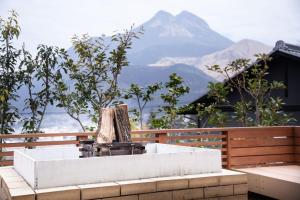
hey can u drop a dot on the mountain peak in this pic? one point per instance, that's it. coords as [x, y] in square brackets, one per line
[186, 14]
[249, 41]
[251, 46]
[166, 35]
[163, 14]
[190, 18]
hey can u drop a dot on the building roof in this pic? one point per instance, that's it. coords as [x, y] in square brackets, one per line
[286, 48]
[281, 48]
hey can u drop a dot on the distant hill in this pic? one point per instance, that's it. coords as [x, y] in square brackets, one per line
[144, 75]
[182, 35]
[243, 49]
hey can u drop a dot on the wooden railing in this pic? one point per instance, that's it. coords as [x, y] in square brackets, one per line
[19, 141]
[240, 147]
[297, 144]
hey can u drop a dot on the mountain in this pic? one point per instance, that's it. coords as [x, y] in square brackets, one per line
[166, 35]
[145, 75]
[243, 49]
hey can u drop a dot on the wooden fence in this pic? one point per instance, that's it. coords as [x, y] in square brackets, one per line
[240, 147]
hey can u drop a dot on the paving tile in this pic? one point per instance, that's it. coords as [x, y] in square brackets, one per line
[218, 191]
[156, 196]
[137, 186]
[196, 193]
[101, 190]
[58, 193]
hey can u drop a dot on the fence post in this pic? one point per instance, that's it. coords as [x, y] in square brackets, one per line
[228, 148]
[81, 138]
[162, 138]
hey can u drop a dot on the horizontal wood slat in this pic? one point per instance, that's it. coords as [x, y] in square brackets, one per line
[35, 135]
[267, 141]
[211, 136]
[262, 151]
[142, 139]
[198, 144]
[6, 163]
[7, 153]
[34, 144]
[189, 130]
[267, 159]
[200, 130]
[263, 132]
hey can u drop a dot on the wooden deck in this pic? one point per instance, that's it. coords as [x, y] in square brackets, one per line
[279, 182]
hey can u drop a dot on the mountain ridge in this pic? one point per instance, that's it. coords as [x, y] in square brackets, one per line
[245, 48]
[184, 34]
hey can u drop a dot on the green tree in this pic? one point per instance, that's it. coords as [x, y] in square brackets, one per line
[142, 96]
[9, 76]
[273, 115]
[74, 104]
[254, 90]
[211, 114]
[175, 89]
[40, 75]
[95, 73]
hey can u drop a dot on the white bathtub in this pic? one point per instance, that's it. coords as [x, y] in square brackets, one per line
[54, 167]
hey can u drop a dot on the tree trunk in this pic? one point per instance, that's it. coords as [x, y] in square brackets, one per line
[122, 123]
[106, 133]
[114, 125]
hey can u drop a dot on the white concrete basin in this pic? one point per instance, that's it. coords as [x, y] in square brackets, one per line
[55, 167]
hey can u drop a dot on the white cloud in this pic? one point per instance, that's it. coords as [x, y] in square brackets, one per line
[54, 22]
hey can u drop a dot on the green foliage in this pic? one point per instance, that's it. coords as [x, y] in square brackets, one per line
[95, 74]
[243, 111]
[42, 70]
[142, 96]
[9, 77]
[168, 113]
[211, 114]
[272, 114]
[255, 106]
[218, 92]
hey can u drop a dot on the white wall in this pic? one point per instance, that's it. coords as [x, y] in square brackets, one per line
[160, 161]
[25, 166]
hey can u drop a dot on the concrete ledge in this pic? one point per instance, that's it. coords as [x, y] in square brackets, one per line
[226, 185]
[13, 186]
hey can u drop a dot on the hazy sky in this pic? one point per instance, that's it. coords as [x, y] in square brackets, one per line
[54, 22]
